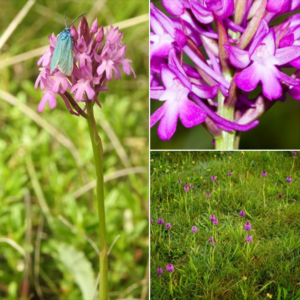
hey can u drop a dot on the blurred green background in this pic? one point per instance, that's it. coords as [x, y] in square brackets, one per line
[48, 220]
[279, 127]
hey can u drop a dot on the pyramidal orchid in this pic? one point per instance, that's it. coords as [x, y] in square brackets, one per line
[97, 59]
[207, 56]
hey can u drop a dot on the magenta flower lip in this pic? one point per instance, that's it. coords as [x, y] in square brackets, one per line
[242, 213]
[160, 221]
[229, 174]
[151, 220]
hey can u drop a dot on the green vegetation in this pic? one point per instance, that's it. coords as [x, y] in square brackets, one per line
[267, 267]
[48, 211]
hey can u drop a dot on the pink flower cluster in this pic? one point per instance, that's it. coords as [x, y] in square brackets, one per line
[97, 59]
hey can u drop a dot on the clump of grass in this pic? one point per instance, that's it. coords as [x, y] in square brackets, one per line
[227, 259]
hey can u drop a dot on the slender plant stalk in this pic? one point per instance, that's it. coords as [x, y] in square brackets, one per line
[98, 159]
[227, 140]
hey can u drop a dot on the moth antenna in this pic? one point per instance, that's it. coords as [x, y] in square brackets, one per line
[65, 19]
[77, 18]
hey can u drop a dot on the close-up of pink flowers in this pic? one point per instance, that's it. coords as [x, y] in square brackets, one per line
[221, 64]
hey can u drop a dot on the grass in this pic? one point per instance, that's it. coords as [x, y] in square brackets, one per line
[231, 268]
[48, 215]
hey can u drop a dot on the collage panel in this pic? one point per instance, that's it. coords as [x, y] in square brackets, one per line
[74, 206]
[224, 74]
[225, 225]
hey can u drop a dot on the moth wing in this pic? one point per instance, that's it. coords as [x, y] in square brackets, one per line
[65, 63]
[56, 54]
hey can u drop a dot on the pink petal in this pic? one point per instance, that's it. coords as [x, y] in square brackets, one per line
[190, 114]
[204, 91]
[276, 5]
[168, 122]
[156, 116]
[248, 79]
[238, 58]
[167, 76]
[271, 86]
[175, 8]
[156, 92]
[285, 55]
[287, 79]
[295, 92]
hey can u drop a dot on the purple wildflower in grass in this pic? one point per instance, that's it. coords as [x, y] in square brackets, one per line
[151, 220]
[160, 221]
[213, 178]
[289, 179]
[211, 239]
[186, 188]
[96, 61]
[168, 225]
[179, 181]
[248, 226]
[242, 213]
[207, 195]
[229, 174]
[159, 271]
[294, 153]
[264, 174]
[194, 229]
[191, 186]
[249, 239]
[214, 244]
[280, 196]
[215, 221]
[212, 217]
[170, 268]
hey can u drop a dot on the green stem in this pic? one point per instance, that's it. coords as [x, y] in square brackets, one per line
[98, 160]
[227, 140]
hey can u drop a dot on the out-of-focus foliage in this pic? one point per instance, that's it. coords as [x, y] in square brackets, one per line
[48, 228]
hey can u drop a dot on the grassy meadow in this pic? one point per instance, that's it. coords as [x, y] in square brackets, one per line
[48, 212]
[200, 204]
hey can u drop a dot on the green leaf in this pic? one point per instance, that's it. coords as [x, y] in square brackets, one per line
[79, 267]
